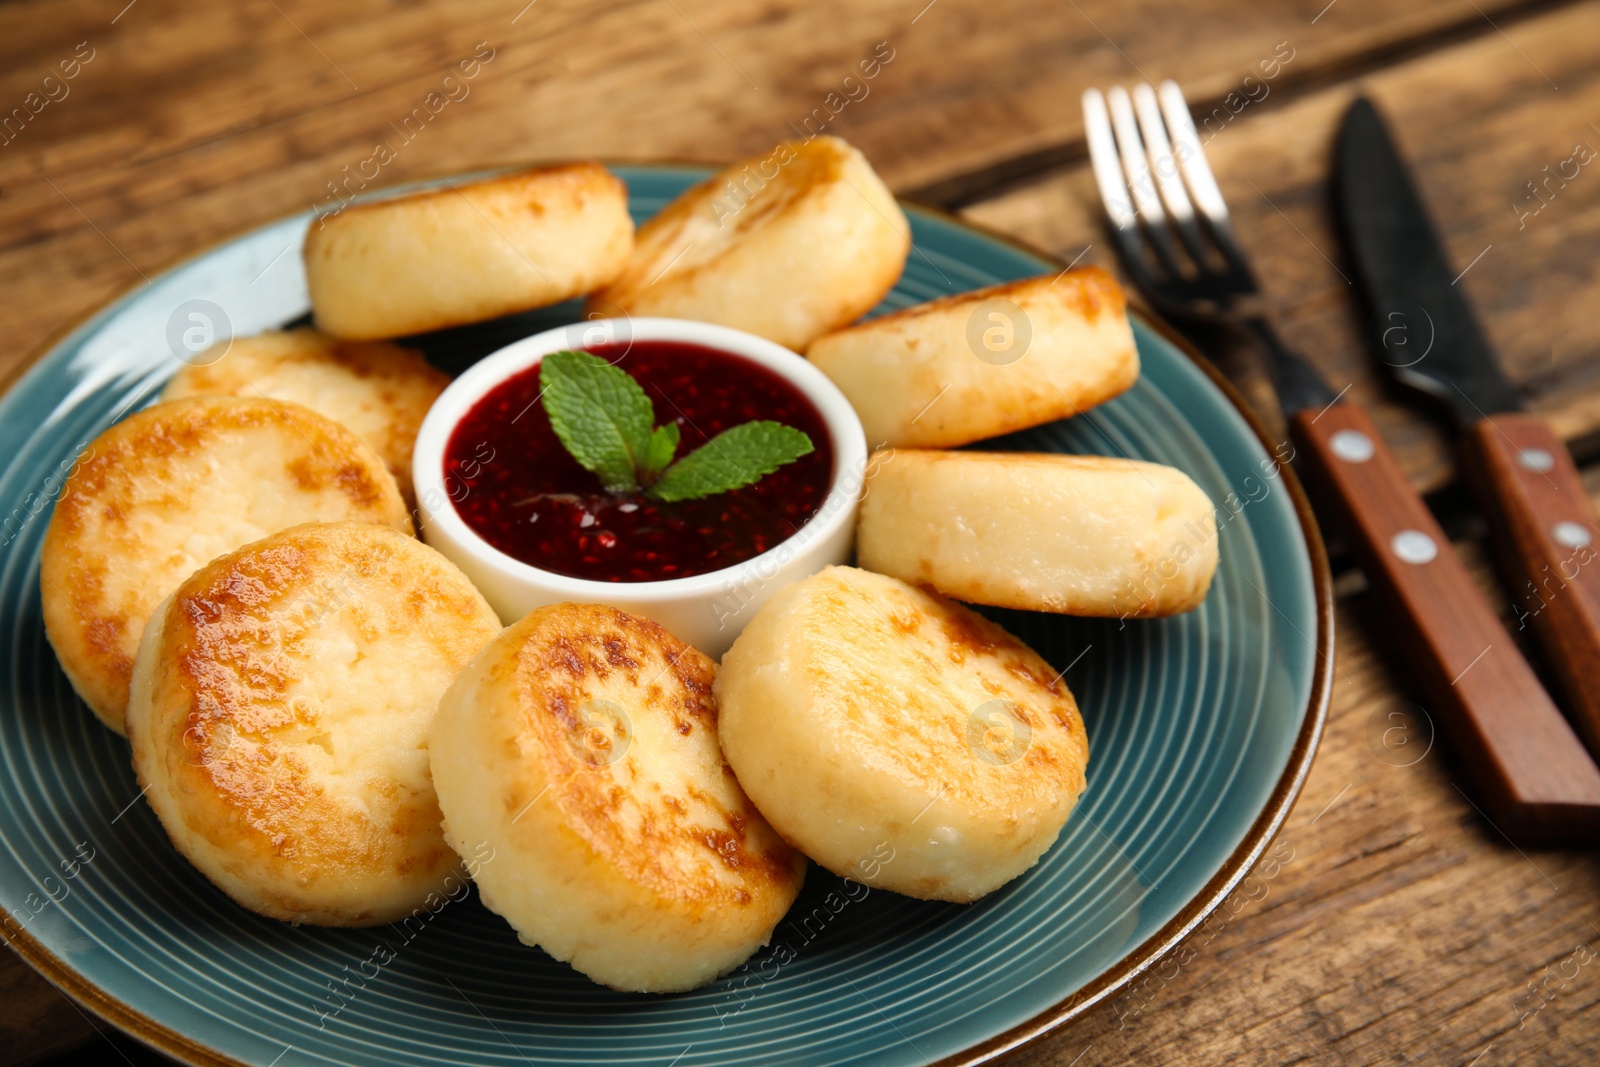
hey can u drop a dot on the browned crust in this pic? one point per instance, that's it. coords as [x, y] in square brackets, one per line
[565, 652]
[815, 166]
[403, 384]
[129, 467]
[947, 639]
[1089, 291]
[227, 739]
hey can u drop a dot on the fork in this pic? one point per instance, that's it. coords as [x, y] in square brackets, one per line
[1220, 288]
[1172, 231]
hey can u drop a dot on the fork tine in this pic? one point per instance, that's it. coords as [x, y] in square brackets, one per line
[1191, 156]
[1141, 180]
[1135, 167]
[1103, 159]
[1114, 193]
[1202, 184]
[1164, 164]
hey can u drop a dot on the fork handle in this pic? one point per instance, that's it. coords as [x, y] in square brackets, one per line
[1547, 537]
[1528, 767]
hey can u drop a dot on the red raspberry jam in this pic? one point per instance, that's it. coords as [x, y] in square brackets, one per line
[511, 480]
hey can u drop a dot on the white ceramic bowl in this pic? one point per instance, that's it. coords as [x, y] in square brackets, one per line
[706, 610]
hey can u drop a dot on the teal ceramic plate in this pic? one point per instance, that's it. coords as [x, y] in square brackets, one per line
[1202, 728]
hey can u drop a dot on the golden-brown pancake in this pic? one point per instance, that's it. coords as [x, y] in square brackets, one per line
[980, 364]
[787, 245]
[580, 748]
[280, 715]
[168, 490]
[379, 390]
[1077, 535]
[467, 252]
[900, 739]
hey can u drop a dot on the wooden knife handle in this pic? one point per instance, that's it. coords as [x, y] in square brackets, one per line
[1547, 537]
[1532, 774]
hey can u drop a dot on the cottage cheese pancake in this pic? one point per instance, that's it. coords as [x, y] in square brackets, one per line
[280, 716]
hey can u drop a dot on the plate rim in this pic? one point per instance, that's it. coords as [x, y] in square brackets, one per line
[1279, 804]
[1263, 830]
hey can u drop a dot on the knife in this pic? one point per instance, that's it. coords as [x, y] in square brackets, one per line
[1522, 758]
[1542, 524]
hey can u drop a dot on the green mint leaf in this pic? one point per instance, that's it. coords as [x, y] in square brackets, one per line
[734, 458]
[663, 445]
[601, 415]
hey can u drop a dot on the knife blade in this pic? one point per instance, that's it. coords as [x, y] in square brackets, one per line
[1423, 327]
[1423, 331]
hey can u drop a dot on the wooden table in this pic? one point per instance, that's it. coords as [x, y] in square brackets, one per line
[1401, 928]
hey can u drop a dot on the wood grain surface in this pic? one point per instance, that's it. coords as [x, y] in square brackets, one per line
[1391, 923]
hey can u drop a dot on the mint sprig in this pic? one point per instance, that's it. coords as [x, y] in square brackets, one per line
[606, 421]
[735, 457]
[600, 414]
[663, 443]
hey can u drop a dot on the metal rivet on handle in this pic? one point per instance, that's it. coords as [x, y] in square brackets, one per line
[1414, 546]
[1536, 459]
[1570, 534]
[1352, 446]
